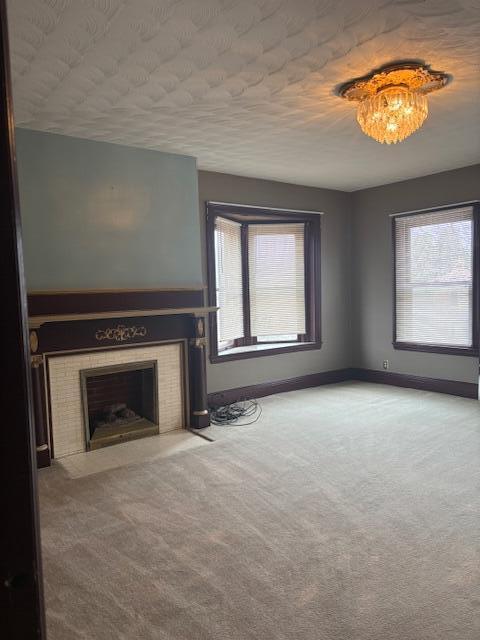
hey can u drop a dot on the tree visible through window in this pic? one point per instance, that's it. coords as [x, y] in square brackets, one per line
[263, 277]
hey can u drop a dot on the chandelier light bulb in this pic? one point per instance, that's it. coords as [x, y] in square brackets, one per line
[392, 114]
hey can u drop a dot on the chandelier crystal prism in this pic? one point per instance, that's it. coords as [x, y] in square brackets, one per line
[392, 102]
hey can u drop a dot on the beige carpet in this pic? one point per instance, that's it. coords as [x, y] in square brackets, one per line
[349, 512]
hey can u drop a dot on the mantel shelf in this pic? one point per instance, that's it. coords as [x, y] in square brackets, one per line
[37, 321]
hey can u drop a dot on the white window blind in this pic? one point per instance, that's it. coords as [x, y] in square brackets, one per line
[276, 279]
[228, 265]
[434, 277]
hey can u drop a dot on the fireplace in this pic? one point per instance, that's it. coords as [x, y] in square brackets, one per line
[120, 403]
[78, 331]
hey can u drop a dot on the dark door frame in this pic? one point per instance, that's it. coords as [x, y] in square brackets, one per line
[21, 592]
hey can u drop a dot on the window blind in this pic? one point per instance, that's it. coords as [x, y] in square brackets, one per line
[434, 277]
[276, 279]
[228, 265]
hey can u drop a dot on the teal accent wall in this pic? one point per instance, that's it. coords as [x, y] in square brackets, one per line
[100, 215]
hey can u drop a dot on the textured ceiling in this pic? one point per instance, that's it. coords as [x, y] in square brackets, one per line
[246, 86]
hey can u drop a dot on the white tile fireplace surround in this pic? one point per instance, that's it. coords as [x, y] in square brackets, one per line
[68, 430]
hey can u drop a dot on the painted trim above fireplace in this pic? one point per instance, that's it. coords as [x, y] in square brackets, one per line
[64, 306]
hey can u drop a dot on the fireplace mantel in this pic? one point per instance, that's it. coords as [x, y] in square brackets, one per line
[81, 321]
[35, 322]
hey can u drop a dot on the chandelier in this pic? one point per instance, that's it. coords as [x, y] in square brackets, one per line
[392, 102]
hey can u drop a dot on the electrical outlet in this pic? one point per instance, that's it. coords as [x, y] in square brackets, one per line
[385, 364]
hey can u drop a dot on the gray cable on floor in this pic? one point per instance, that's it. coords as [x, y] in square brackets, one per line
[230, 414]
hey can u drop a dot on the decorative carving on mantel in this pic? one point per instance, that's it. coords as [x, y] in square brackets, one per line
[36, 361]
[198, 342]
[33, 341]
[200, 339]
[120, 333]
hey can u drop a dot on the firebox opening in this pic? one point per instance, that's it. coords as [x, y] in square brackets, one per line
[119, 403]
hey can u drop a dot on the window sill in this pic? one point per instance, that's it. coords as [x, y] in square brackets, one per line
[431, 348]
[262, 350]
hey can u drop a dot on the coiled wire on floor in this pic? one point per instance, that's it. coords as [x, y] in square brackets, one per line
[232, 414]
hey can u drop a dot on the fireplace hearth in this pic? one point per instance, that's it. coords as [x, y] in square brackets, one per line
[120, 403]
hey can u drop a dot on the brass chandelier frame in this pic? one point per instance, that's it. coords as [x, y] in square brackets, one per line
[413, 75]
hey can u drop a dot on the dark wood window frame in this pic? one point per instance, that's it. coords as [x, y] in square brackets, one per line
[430, 348]
[246, 215]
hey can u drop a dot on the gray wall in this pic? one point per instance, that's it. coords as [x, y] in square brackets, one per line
[99, 215]
[335, 261]
[372, 271]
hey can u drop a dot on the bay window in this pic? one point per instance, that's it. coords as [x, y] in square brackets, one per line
[264, 277]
